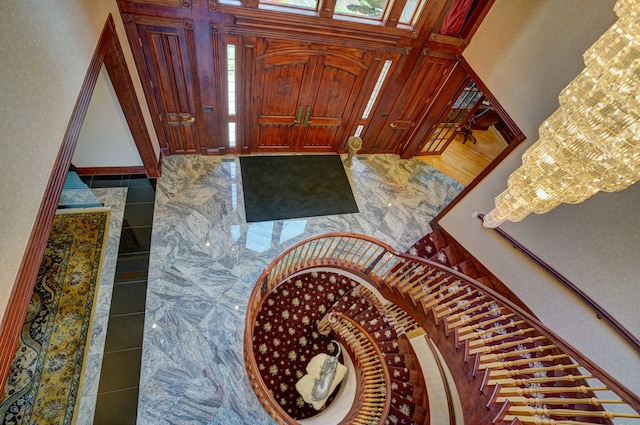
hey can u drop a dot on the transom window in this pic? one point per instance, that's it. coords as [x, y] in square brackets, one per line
[373, 11]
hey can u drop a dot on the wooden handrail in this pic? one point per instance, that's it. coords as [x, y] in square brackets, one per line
[600, 311]
[376, 370]
[378, 262]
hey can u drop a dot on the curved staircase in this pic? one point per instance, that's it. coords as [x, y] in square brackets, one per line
[408, 403]
[507, 367]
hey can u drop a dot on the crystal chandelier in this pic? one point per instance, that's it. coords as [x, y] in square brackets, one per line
[592, 141]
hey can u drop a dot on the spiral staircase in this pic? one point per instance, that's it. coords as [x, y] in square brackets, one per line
[492, 361]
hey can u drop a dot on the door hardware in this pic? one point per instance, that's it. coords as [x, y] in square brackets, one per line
[307, 116]
[296, 122]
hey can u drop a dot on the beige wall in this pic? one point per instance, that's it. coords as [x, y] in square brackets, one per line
[105, 139]
[46, 47]
[526, 52]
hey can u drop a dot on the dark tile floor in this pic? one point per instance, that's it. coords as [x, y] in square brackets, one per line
[118, 390]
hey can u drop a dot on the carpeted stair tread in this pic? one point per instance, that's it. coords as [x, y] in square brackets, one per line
[397, 417]
[366, 315]
[395, 360]
[399, 373]
[447, 256]
[346, 299]
[389, 346]
[428, 245]
[354, 308]
[408, 407]
[387, 334]
[402, 388]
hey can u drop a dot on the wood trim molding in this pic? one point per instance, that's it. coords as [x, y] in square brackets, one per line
[519, 138]
[115, 63]
[110, 171]
[16, 309]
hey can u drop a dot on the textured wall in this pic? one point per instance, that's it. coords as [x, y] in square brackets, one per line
[105, 139]
[526, 52]
[46, 47]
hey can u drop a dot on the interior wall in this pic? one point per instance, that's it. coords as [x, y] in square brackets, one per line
[46, 47]
[526, 52]
[105, 139]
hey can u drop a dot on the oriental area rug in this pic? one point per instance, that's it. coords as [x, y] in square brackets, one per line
[295, 186]
[46, 375]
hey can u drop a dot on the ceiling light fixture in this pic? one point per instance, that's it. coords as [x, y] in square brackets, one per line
[591, 143]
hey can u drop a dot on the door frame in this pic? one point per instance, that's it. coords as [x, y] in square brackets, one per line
[108, 52]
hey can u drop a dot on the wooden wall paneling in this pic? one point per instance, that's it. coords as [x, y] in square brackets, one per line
[207, 75]
[416, 96]
[115, 63]
[247, 88]
[395, 13]
[215, 108]
[168, 52]
[371, 136]
[136, 48]
[169, 3]
[426, 123]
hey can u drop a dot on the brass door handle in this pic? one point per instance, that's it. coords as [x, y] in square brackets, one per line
[296, 122]
[191, 119]
[393, 125]
[307, 116]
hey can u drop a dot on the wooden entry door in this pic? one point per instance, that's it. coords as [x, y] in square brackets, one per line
[168, 49]
[304, 99]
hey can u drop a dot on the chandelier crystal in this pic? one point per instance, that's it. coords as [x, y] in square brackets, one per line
[591, 143]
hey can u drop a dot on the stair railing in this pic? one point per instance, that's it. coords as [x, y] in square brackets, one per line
[432, 287]
[372, 405]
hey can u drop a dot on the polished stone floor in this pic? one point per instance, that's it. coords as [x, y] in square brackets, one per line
[205, 259]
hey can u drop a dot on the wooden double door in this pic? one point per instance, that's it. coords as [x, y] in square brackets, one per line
[305, 97]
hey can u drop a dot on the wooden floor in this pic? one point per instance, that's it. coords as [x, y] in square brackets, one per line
[463, 162]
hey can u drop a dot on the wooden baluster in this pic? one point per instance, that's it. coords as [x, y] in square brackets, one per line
[446, 306]
[423, 287]
[410, 269]
[483, 361]
[452, 292]
[349, 259]
[493, 377]
[569, 413]
[432, 299]
[345, 244]
[422, 273]
[485, 358]
[479, 344]
[380, 266]
[463, 333]
[363, 260]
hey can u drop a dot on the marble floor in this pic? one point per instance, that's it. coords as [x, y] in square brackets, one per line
[204, 262]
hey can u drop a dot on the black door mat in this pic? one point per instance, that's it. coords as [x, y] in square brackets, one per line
[294, 186]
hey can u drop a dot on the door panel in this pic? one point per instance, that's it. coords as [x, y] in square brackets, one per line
[166, 54]
[332, 102]
[304, 97]
[279, 94]
[411, 104]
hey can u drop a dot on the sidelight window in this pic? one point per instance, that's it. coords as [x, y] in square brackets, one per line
[231, 94]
